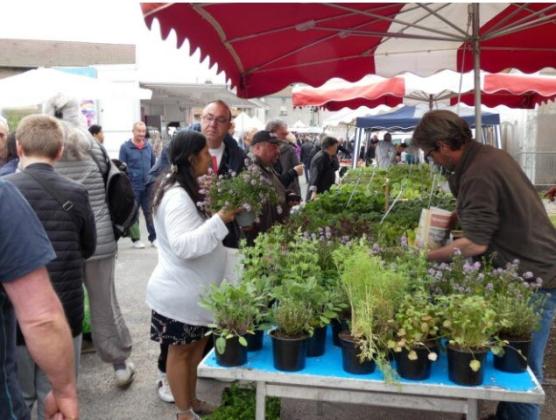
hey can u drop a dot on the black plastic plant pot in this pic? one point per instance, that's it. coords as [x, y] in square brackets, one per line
[514, 359]
[234, 354]
[288, 353]
[338, 325]
[316, 343]
[350, 357]
[245, 218]
[459, 370]
[417, 369]
[255, 341]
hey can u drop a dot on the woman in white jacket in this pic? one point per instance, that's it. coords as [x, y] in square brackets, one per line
[191, 257]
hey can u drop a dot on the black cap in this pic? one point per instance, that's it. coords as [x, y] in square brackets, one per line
[262, 136]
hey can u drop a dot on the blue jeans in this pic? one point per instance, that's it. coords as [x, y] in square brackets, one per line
[520, 411]
[143, 198]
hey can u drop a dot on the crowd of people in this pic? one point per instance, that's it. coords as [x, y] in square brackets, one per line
[60, 238]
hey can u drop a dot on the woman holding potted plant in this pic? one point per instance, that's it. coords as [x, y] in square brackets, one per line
[191, 257]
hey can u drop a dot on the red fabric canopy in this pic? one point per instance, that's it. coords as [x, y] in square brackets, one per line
[512, 90]
[263, 47]
[352, 95]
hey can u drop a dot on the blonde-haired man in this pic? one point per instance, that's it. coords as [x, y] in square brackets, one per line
[63, 208]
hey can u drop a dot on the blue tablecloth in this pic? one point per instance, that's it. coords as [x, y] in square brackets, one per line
[330, 365]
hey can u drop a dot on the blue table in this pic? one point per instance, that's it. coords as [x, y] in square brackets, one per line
[324, 379]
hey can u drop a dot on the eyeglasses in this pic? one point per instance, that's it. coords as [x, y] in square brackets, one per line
[219, 120]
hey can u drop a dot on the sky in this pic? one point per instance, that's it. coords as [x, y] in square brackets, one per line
[116, 21]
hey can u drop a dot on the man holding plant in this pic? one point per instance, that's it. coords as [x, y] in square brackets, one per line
[501, 214]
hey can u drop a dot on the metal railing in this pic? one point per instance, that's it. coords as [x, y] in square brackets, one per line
[540, 167]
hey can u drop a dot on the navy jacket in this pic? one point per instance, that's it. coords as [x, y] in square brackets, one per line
[139, 162]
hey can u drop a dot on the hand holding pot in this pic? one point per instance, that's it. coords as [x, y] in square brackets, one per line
[227, 215]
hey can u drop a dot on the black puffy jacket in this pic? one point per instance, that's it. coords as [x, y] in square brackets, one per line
[73, 236]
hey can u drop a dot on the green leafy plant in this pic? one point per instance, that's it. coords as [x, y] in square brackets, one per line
[417, 325]
[236, 309]
[374, 292]
[470, 324]
[292, 317]
[240, 403]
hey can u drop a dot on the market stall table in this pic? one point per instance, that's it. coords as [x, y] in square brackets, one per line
[323, 379]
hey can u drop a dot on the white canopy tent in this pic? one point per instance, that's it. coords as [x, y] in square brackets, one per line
[36, 86]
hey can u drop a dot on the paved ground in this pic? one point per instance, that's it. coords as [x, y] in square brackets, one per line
[102, 400]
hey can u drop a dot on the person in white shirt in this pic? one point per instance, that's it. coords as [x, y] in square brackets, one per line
[385, 152]
[191, 257]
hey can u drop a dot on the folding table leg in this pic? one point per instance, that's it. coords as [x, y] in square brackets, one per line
[260, 405]
[472, 409]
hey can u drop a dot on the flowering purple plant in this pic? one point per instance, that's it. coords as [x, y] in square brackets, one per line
[512, 294]
[248, 190]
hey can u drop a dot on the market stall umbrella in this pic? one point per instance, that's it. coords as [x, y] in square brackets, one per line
[515, 90]
[265, 47]
[36, 86]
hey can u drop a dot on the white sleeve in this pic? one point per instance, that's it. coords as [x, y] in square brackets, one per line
[188, 239]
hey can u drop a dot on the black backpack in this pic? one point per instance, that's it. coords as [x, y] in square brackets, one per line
[120, 198]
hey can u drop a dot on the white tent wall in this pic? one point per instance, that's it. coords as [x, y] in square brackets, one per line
[117, 116]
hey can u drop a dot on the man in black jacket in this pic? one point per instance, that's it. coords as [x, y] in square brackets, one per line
[324, 165]
[63, 208]
[308, 151]
[227, 156]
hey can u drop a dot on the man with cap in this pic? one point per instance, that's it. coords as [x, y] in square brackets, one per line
[265, 149]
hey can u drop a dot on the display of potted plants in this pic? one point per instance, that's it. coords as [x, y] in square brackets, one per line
[235, 309]
[248, 190]
[469, 323]
[416, 338]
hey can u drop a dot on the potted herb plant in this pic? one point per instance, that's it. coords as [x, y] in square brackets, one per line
[469, 323]
[374, 292]
[292, 318]
[416, 338]
[235, 309]
[248, 190]
[518, 306]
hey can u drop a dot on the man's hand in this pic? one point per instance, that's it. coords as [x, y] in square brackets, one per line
[299, 169]
[61, 407]
[551, 193]
[313, 196]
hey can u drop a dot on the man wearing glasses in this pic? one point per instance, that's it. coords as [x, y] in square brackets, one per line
[501, 214]
[227, 156]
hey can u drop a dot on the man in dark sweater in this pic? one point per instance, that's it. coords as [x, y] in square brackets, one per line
[63, 208]
[324, 165]
[501, 215]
